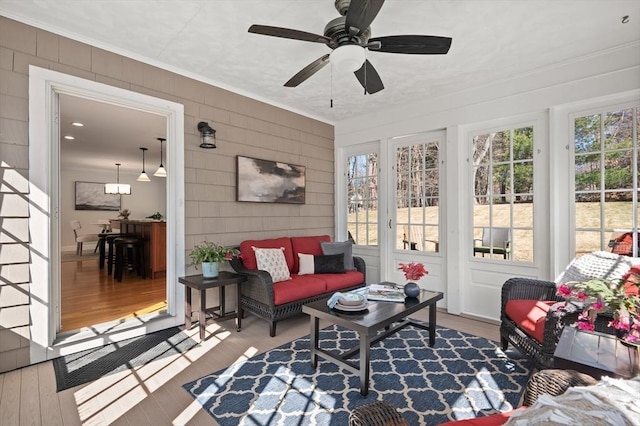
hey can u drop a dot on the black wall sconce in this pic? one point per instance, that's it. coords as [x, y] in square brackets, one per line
[207, 135]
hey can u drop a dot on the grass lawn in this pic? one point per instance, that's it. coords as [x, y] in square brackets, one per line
[617, 215]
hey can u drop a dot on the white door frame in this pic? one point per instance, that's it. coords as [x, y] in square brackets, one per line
[45, 86]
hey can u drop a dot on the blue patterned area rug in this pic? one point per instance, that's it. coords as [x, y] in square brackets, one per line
[462, 376]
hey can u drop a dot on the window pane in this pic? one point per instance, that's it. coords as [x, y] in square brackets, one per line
[523, 144]
[618, 214]
[587, 173]
[522, 245]
[523, 177]
[618, 171]
[481, 180]
[587, 133]
[501, 179]
[524, 214]
[618, 129]
[587, 215]
[587, 242]
[500, 147]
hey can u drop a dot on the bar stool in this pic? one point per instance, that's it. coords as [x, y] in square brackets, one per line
[129, 252]
[110, 252]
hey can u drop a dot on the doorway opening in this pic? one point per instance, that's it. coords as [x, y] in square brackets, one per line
[96, 139]
[45, 91]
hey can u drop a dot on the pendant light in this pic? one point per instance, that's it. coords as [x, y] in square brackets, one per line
[143, 176]
[117, 188]
[161, 172]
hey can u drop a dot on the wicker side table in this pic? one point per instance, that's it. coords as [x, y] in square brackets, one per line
[554, 382]
[377, 413]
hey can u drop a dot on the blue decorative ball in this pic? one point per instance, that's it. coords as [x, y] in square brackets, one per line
[412, 289]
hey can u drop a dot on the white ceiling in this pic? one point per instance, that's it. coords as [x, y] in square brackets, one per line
[208, 40]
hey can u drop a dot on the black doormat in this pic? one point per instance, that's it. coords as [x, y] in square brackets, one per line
[87, 366]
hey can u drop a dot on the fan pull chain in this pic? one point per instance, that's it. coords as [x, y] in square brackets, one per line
[331, 94]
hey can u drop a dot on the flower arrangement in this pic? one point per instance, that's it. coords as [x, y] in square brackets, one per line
[621, 297]
[124, 214]
[211, 252]
[413, 271]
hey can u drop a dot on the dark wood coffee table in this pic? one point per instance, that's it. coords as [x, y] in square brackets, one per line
[391, 316]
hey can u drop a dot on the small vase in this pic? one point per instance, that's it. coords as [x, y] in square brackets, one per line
[210, 269]
[411, 289]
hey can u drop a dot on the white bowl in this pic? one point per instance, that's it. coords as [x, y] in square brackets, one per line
[351, 300]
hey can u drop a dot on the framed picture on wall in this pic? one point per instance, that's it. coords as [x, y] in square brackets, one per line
[264, 181]
[91, 196]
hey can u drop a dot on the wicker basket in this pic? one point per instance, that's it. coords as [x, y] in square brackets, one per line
[378, 413]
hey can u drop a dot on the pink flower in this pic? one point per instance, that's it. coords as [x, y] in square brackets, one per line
[618, 298]
[585, 326]
[413, 271]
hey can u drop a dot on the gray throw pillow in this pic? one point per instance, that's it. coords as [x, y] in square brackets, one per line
[344, 247]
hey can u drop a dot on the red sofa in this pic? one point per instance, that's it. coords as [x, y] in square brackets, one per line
[276, 301]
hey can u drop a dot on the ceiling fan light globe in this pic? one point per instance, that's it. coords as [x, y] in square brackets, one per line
[348, 58]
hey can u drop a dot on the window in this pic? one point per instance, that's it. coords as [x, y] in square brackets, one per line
[503, 194]
[362, 198]
[418, 196]
[606, 181]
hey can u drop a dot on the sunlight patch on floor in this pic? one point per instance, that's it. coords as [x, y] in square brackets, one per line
[110, 397]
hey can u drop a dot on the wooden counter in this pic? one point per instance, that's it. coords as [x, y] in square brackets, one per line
[155, 247]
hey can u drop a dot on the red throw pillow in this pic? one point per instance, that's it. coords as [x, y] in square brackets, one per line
[631, 281]
[306, 245]
[249, 256]
[491, 420]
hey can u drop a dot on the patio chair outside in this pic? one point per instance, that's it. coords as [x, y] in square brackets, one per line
[494, 241]
[415, 239]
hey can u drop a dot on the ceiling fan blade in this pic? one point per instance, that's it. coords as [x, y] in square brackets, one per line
[308, 71]
[411, 44]
[361, 14]
[369, 78]
[288, 33]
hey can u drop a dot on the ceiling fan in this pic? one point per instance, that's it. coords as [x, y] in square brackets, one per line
[348, 36]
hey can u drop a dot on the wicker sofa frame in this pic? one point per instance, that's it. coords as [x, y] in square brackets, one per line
[256, 295]
[541, 354]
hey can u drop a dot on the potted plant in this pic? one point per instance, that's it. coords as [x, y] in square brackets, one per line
[412, 272]
[208, 254]
[619, 297]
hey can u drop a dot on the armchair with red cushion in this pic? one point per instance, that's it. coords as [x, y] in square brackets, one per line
[532, 314]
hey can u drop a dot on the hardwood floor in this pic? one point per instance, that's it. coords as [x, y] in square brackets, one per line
[91, 296]
[153, 394]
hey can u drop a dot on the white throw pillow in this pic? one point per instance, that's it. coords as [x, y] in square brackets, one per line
[307, 266]
[272, 260]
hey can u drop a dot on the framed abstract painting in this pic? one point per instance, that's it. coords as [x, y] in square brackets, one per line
[265, 181]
